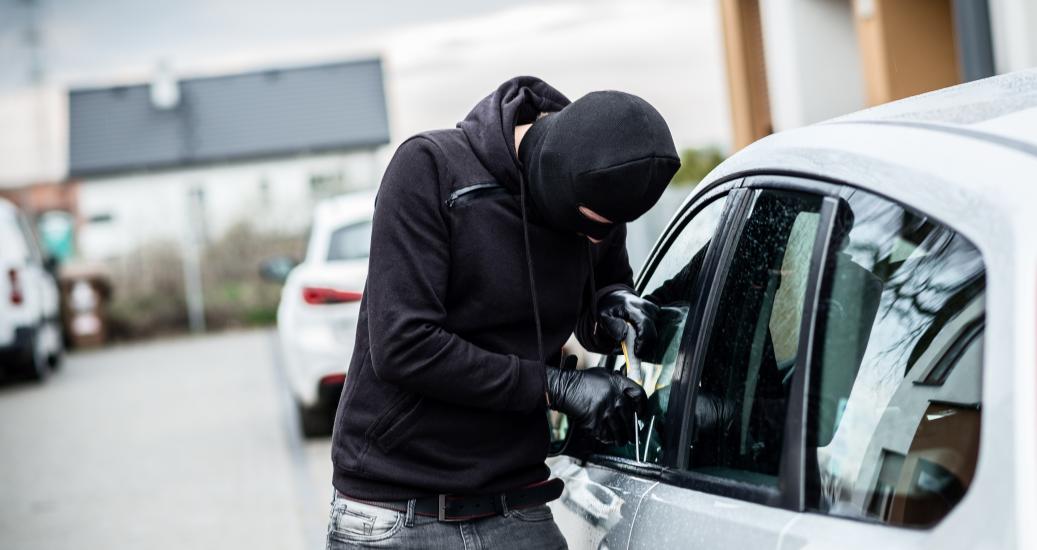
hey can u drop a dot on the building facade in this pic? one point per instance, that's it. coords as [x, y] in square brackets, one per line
[795, 62]
[187, 160]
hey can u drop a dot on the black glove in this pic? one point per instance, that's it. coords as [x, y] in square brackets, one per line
[617, 309]
[600, 402]
[713, 415]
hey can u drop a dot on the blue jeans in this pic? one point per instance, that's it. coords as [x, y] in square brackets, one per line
[358, 525]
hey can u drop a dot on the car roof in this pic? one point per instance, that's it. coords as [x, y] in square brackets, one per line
[7, 208]
[343, 209]
[965, 155]
[1001, 109]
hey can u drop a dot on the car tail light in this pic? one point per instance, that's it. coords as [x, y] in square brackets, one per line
[16, 287]
[316, 295]
[337, 378]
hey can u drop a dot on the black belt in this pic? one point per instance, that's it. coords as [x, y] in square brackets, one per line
[468, 507]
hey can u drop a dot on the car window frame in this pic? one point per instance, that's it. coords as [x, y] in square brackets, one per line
[735, 203]
[790, 493]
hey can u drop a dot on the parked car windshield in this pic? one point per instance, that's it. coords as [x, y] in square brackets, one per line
[350, 242]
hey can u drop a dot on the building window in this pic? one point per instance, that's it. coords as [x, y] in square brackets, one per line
[327, 184]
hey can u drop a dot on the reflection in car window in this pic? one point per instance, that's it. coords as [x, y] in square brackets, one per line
[671, 286]
[352, 242]
[741, 401]
[894, 408]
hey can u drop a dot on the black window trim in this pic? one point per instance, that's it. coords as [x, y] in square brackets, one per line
[789, 493]
[678, 391]
[709, 281]
[793, 464]
[683, 217]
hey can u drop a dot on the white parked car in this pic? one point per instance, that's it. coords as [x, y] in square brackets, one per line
[824, 376]
[30, 324]
[320, 302]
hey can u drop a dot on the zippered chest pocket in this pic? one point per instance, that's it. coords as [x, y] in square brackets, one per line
[469, 193]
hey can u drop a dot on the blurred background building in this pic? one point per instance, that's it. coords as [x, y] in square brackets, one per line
[795, 62]
[170, 147]
[189, 159]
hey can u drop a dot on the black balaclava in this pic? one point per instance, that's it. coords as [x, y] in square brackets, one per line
[608, 151]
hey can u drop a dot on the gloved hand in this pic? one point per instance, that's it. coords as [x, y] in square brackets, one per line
[620, 309]
[598, 401]
[713, 415]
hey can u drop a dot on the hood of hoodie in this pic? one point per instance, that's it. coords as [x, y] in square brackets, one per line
[490, 126]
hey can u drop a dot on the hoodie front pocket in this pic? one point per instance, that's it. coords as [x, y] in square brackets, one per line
[397, 423]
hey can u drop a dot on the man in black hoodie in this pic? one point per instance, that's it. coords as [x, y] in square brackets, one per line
[492, 243]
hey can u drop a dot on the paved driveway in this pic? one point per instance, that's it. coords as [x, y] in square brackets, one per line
[182, 443]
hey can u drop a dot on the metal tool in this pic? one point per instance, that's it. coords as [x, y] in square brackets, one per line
[635, 373]
[634, 370]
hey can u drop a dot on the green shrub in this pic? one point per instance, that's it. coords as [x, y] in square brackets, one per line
[695, 164]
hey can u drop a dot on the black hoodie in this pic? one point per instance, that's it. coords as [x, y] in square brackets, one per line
[445, 390]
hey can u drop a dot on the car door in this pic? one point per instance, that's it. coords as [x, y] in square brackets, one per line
[605, 486]
[729, 484]
[837, 353]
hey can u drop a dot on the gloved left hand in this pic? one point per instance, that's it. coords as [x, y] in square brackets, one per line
[622, 309]
[599, 402]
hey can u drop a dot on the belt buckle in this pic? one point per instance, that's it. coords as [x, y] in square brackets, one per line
[442, 509]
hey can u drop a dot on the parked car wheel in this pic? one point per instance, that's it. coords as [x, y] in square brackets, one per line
[315, 421]
[35, 359]
[57, 355]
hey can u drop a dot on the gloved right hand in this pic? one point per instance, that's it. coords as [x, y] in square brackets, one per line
[622, 310]
[600, 402]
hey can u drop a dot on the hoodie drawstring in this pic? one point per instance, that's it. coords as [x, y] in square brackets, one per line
[591, 292]
[532, 278]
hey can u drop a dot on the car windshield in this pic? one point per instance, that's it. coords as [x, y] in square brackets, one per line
[350, 242]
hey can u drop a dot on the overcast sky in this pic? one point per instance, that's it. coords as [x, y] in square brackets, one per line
[440, 57]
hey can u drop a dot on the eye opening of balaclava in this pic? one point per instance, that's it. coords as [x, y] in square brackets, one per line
[610, 152]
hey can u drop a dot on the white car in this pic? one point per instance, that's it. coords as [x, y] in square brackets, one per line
[824, 375]
[320, 302]
[30, 324]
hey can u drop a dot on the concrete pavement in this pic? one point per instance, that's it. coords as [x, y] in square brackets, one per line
[182, 443]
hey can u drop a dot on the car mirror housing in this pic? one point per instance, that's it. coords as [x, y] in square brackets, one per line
[277, 268]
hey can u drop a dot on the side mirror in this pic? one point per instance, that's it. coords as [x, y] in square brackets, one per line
[276, 269]
[50, 265]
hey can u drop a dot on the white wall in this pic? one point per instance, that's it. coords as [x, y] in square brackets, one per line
[1014, 29]
[813, 62]
[33, 136]
[154, 206]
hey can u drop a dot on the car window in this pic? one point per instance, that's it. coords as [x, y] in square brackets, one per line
[13, 247]
[29, 236]
[752, 348]
[894, 407]
[671, 285]
[350, 242]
